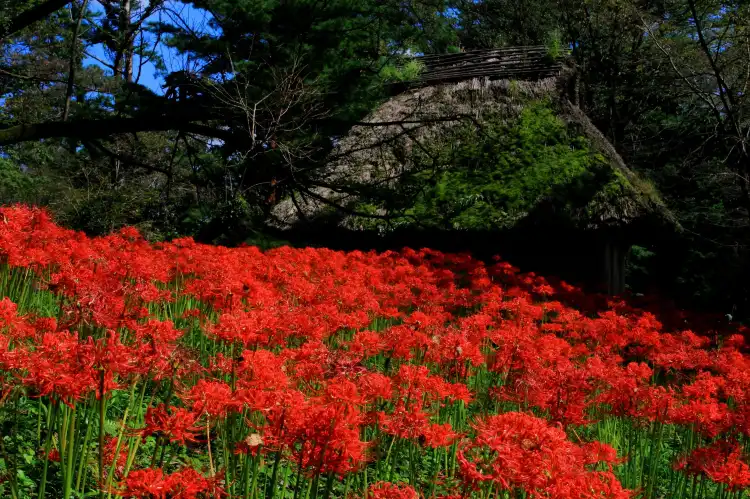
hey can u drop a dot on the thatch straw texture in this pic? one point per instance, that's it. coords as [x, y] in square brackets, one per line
[380, 149]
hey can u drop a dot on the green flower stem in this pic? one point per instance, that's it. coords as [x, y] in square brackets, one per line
[84, 454]
[10, 466]
[119, 440]
[69, 454]
[47, 447]
[271, 491]
[102, 413]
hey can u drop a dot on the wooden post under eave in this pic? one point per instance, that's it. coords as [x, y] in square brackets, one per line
[614, 266]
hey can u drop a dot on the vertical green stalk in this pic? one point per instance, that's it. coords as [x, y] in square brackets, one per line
[412, 465]
[63, 439]
[256, 472]
[364, 492]
[208, 443]
[69, 455]
[271, 489]
[329, 485]
[157, 448]
[315, 486]
[11, 467]
[119, 440]
[47, 447]
[39, 423]
[102, 413]
[298, 481]
[347, 484]
[387, 457]
[132, 452]
[165, 449]
[436, 464]
[246, 475]
[654, 458]
[694, 487]
[84, 454]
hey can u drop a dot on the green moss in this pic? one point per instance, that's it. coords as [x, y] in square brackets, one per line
[408, 71]
[493, 176]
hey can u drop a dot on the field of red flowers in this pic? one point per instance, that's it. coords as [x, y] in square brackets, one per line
[180, 370]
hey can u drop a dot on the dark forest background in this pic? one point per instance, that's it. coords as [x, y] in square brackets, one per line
[195, 118]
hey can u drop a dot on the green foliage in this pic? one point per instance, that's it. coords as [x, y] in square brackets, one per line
[554, 44]
[494, 23]
[637, 267]
[408, 71]
[492, 177]
[16, 185]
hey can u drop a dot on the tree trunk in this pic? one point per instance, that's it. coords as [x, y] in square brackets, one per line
[123, 59]
[73, 61]
[128, 39]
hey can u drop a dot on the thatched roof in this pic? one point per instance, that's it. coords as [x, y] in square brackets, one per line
[381, 148]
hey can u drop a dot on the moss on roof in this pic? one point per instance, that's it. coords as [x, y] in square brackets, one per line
[479, 154]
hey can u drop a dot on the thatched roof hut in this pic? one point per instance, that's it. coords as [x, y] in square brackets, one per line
[475, 89]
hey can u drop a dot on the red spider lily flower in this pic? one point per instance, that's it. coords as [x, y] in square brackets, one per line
[261, 370]
[109, 354]
[593, 485]
[56, 366]
[439, 435]
[518, 451]
[110, 447]
[374, 386]
[404, 422]
[721, 461]
[367, 343]
[300, 320]
[387, 490]
[212, 398]
[191, 313]
[189, 484]
[176, 423]
[147, 483]
[598, 452]
[328, 437]
[183, 484]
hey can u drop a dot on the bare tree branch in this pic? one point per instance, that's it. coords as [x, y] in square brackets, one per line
[99, 128]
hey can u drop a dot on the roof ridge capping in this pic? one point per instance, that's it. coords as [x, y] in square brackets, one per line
[527, 63]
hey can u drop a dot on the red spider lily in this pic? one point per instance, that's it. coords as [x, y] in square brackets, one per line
[57, 367]
[518, 451]
[330, 441]
[110, 448]
[301, 369]
[183, 484]
[212, 398]
[439, 435]
[387, 490]
[176, 423]
[147, 483]
[189, 484]
[721, 461]
[374, 386]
